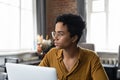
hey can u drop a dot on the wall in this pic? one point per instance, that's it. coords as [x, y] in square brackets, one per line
[56, 7]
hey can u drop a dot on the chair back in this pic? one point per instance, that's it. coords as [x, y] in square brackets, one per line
[90, 46]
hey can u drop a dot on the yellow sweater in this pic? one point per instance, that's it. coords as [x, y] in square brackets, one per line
[88, 66]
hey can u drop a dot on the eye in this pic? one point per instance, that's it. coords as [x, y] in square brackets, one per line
[57, 34]
[60, 34]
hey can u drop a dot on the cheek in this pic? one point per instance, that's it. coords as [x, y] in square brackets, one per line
[66, 41]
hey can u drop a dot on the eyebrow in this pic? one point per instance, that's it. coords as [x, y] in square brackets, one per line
[59, 31]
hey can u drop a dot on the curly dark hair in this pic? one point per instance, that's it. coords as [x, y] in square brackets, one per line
[74, 23]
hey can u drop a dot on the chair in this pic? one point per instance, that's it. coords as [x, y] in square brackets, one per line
[90, 46]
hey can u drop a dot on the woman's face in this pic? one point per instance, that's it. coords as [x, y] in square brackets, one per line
[62, 37]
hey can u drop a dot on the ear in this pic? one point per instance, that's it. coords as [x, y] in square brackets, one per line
[74, 38]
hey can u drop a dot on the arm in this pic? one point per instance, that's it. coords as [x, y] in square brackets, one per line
[98, 72]
[48, 58]
[44, 61]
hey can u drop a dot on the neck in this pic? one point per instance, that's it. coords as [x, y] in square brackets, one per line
[72, 52]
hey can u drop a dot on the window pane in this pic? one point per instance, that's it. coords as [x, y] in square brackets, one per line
[26, 4]
[17, 31]
[104, 26]
[9, 29]
[97, 5]
[98, 30]
[114, 25]
[27, 30]
[11, 2]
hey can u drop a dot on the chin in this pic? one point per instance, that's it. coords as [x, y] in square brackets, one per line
[58, 47]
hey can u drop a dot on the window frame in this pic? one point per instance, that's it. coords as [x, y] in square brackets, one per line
[19, 50]
[106, 11]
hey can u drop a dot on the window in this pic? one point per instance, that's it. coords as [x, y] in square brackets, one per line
[17, 25]
[103, 24]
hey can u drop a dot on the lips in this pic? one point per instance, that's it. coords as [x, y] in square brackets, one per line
[56, 43]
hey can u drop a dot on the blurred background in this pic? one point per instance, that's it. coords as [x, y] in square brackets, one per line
[26, 26]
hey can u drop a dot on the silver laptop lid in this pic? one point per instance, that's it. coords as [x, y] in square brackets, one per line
[30, 72]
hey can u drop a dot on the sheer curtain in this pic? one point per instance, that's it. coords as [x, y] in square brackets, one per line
[17, 25]
[103, 24]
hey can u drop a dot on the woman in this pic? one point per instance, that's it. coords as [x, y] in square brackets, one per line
[72, 62]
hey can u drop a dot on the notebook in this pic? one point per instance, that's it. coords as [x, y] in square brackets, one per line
[30, 72]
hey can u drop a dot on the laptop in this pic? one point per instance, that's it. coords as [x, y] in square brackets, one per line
[30, 72]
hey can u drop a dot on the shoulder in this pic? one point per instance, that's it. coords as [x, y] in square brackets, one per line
[50, 57]
[54, 52]
[89, 54]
